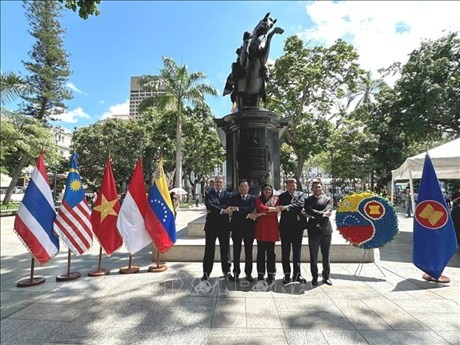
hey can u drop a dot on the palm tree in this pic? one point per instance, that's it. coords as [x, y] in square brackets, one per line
[11, 86]
[176, 87]
[367, 88]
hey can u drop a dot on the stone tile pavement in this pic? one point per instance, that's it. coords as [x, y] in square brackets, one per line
[386, 303]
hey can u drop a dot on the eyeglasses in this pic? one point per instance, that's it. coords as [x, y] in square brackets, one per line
[267, 190]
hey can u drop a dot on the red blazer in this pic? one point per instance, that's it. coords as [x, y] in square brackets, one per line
[267, 227]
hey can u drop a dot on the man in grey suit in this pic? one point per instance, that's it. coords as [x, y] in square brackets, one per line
[319, 209]
[292, 225]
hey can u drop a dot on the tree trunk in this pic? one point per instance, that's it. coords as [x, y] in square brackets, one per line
[179, 148]
[23, 161]
[298, 170]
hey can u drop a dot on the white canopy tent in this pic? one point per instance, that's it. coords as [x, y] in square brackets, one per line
[446, 162]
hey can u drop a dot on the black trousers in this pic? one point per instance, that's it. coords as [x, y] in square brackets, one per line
[238, 236]
[293, 239]
[210, 247]
[315, 242]
[266, 249]
[456, 220]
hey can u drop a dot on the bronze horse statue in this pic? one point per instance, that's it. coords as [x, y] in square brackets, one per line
[246, 82]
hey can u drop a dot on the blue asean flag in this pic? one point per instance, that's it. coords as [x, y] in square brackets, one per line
[434, 235]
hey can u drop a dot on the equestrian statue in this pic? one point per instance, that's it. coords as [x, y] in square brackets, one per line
[246, 82]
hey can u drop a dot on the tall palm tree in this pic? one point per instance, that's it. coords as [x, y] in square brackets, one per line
[11, 86]
[176, 87]
[367, 88]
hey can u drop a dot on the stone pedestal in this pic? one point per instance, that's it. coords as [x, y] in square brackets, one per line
[252, 140]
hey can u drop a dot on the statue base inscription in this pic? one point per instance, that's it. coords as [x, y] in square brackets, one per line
[251, 137]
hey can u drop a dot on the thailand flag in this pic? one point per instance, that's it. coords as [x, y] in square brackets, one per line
[434, 235]
[130, 220]
[73, 221]
[34, 220]
[159, 217]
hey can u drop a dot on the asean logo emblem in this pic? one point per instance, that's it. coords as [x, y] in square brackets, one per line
[374, 209]
[431, 214]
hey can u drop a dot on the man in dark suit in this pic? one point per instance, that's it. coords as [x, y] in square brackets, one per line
[217, 226]
[242, 227]
[319, 208]
[292, 225]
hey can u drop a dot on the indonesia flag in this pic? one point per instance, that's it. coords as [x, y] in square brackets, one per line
[159, 217]
[130, 221]
[34, 220]
[73, 221]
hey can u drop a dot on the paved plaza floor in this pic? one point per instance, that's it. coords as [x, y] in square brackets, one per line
[386, 302]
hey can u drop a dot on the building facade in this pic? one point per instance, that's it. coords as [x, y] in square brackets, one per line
[137, 95]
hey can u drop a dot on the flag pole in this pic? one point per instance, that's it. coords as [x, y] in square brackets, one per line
[159, 267]
[130, 269]
[100, 271]
[32, 281]
[69, 275]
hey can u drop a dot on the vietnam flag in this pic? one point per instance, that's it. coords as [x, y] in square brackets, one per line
[159, 214]
[105, 213]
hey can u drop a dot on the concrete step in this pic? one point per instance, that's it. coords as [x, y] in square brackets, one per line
[192, 249]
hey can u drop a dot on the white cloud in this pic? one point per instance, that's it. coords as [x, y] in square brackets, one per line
[117, 109]
[72, 87]
[72, 116]
[382, 32]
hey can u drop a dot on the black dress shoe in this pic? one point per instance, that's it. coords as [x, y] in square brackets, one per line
[204, 277]
[249, 278]
[300, 279]
[229, 276]
[314, 282]
[327, 282]
[286, 279]
[260, 277]
[270, 278]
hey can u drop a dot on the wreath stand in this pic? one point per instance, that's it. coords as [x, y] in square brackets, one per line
[100, 271]
[32, 281]
[69, 275]
[130, 269]
[366, 253]
[159, 267]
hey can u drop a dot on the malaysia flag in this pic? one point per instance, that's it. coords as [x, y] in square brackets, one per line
[159, 216]
[34, 220]
[434, 235]
[73, 221]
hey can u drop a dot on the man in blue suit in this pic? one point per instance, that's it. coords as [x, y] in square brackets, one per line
[241, 205]
[217, 226]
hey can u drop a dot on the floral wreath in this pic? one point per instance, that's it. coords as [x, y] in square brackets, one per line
[367, 220]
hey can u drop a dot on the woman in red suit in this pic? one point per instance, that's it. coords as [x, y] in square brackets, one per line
[266, 232]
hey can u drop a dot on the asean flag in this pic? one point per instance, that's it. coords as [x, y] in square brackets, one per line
[159, 216]
[105, 213]
[434, 235]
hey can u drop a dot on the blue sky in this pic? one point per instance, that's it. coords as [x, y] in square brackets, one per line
[130, 37]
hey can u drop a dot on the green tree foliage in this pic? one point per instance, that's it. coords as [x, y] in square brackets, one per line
[202, 148]
[123, 140]
[12, 85]
[178, 87]
[428, 92]
[49, 66]
[23, 137]
[85, 8]
[306, 85]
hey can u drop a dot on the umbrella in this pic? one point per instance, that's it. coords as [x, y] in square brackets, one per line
[178, 191]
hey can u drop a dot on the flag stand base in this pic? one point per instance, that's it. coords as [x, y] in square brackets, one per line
[31, 281]
[130, 269]
[37, 280]
[68, 276]
[100, 273]
[441, 279]
[158, 267]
